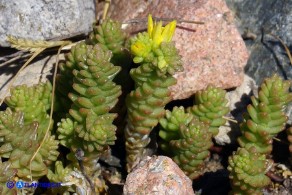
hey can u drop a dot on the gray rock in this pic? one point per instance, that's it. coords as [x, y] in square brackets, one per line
[238, 100]
[38, 71]
[257, 20]
[45, 19]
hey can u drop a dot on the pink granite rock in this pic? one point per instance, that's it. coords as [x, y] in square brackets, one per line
[213, 53]
[158, 175]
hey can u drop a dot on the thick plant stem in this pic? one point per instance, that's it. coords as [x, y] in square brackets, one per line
[89, 127]
[247, 171]
[211, 106]
[192, 148]
[265, 116]
[159, 60]
[145, 108]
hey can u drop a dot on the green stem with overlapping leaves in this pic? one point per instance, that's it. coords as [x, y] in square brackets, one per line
[158, 60]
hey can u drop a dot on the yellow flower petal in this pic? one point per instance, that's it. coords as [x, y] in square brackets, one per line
[150, 25]
[137, 48]
[158, 33]
[171, 30]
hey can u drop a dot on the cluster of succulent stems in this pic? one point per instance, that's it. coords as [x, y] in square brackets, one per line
[188, 132]
[93, 89]
[264, 120]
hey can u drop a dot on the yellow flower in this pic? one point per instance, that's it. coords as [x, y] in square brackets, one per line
[146, 46]
[158, 33]
[141, 47]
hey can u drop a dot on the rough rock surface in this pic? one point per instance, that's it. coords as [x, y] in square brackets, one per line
[38, 71]
[45, 19]
[238, 100]
[213, 53]
[257, 21]
[158, 175]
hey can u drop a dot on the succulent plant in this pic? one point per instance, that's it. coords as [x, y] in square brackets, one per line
[13, 130]
[210, 106]
[155, 52]
[6, 177]
[93, 90]
[170, 56]
[192, 147]
[34, 102]
[158, 60]
[58, 176]
[64, 80]
[247, 171]
[109, 36]
[152, 78]
[145, 46]
[265, 116]
[27, 119]
[94, 94]
[170, 125]
[145, 107]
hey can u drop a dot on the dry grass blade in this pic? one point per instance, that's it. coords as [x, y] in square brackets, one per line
[230, 119]
[36, 53]
[106, 8]
[133, 21]
[36, 47]
[14, 59]
[285, 46]
[32, 45]
[52, 107]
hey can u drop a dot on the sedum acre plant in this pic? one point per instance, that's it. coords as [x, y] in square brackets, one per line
[170, 125]
[159, 60]
[189, 134]
[264, 120]
[97, 93]
[247, 171]
[266, 116]
[88, 130]
[210, 106]
[89, 126]
[6, 174]
[109, 35]
[191, 149]
[27, 119]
